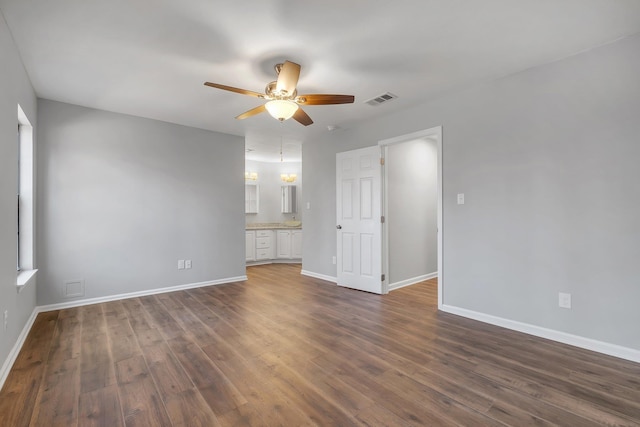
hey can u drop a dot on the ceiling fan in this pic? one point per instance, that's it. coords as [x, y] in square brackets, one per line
[283, 99]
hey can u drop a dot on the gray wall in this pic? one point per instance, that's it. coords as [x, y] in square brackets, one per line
[548, 161]
[412, 201]
[270, 183]
[122, 198]
[15, 89]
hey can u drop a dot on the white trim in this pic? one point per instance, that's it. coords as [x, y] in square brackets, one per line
[98, 300]
[275, 261]
[252, 263]
[13, 354]
[25, 195]
[319, 276]
[25, 277]
[286, 261]
[438, 132]
[538, 331]
[384, 201]
[412, 281]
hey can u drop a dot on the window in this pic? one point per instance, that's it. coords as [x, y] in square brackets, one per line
[25, 204]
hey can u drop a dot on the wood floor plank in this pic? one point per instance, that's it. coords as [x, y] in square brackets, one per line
[281, 349]
[96, 364]
[375, 416]
[189, 408]
[141, 402]
[57, 402]
[18, 397]
[122, 340]
[66, 342]
[100, 408]
[255, 385]
[218, 391]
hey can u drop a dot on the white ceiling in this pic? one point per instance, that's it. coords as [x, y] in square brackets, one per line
[151, 58]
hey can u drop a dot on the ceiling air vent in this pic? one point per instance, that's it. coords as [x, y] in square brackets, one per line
[381, 98]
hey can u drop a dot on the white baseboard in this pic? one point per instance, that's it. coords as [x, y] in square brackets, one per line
[538, 331]
[319, 276]
[252, 263]
[412, 281]
[13, 354]
[275, 261]
[98, 300]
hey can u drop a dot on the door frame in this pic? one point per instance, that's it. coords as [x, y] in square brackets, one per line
[426, 133]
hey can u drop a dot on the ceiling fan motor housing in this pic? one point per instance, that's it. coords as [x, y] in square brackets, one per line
[272, 93]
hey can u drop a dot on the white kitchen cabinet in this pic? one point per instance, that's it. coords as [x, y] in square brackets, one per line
[289, 245]
[284, 243]
[251, 198]
[250, 245]
[296, 244]
[273, 245]
[264, 245]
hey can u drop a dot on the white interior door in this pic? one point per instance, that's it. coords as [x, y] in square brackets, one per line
[359, 228]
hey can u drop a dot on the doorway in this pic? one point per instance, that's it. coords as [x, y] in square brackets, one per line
[412, 207]
[409, 226]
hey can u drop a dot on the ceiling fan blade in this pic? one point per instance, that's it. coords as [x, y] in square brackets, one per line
[301, 117]
[259, 109]
[288, 78]
[320, 99]
[235, 89]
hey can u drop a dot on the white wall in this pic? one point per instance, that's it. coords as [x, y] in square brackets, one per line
[122, 198]
[15, 89]
[270, 183]
[548, 161]
[412, 201]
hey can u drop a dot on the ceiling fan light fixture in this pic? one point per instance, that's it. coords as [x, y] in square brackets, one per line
[281, 109]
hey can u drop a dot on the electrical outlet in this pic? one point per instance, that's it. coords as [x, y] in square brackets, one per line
[564, 300]
[180, 264]
[6, 319]
[461, 198]
[334, 259]
[187, 263]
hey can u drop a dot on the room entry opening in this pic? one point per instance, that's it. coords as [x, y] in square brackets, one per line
[389, 213]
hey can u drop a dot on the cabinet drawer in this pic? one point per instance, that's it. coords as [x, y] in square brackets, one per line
[263, 242]
[263, 233]
[263, 254]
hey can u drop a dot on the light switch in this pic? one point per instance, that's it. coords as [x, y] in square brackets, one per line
[461, 198]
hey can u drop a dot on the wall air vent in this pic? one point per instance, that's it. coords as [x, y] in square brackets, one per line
[381, 98]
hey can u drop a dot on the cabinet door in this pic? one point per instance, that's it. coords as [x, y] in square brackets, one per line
[296, 244]
[250, 245]
[284, 244]
[263, 242]
[251, 198]
[263, 254]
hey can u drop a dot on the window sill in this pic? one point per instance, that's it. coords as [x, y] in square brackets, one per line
[25, 277]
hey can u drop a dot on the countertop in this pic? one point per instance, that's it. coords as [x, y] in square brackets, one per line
[271, 226]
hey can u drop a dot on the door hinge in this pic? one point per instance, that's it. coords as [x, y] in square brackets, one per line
[382, 219]
[382, 278]
[381, 161]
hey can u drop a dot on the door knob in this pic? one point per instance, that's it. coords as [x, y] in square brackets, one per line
[339, 227]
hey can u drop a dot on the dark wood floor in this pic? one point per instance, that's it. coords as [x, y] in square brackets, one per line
[284, 349]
